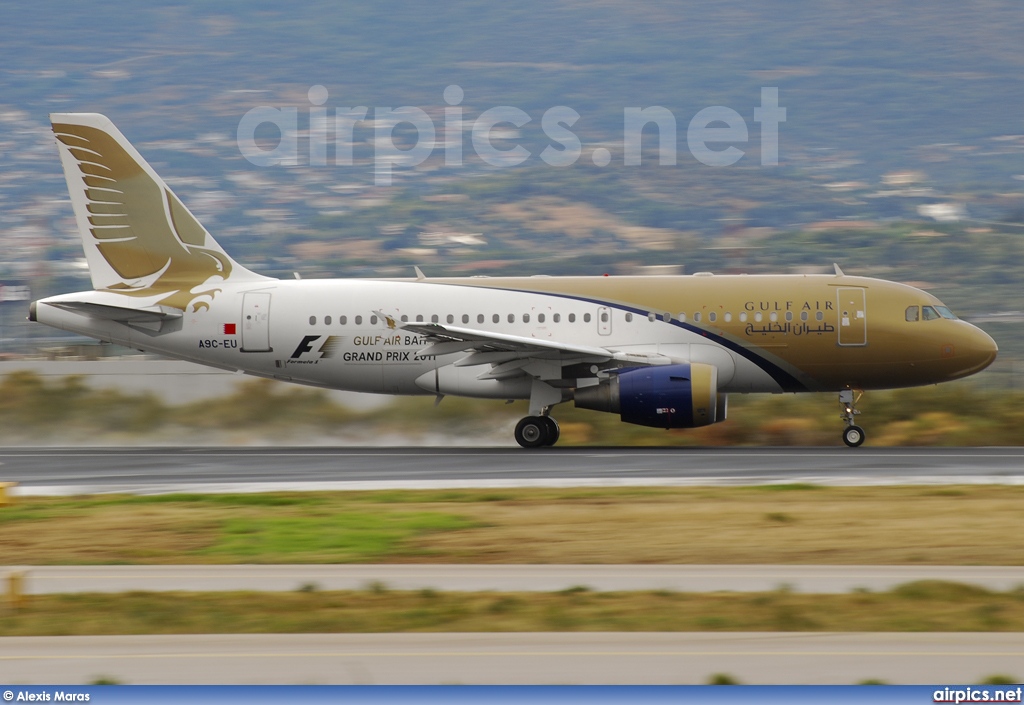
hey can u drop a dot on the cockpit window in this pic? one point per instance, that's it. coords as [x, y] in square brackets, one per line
[929, 313]
[946, 313]
[913, 313]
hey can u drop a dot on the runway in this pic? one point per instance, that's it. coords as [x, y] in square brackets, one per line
[516, 658]
[41, 471]
[835, 579]
[597, 658]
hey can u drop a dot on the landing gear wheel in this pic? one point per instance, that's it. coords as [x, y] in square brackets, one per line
[532, 432]
[551, 436]
[853, 436]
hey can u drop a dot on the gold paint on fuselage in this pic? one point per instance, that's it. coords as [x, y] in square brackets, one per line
[895, 352]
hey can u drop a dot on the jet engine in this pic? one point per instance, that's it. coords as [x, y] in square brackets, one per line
[665, 396]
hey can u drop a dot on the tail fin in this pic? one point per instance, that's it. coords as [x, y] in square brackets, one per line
[139, 239]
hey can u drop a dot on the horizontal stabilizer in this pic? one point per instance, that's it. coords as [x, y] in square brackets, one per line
[120, 314]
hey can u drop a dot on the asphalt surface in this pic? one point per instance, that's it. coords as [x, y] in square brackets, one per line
[155, 470]
[514, 658]
[508, 658]
[527, 578]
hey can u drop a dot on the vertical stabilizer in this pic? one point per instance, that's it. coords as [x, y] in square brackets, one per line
[139, 239]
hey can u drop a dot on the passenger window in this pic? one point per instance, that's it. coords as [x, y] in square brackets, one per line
[929, 314]
[696, 316]
[465, 318]
[743, 317]
[773, 316]
[682, 318]
[450, 318]
[758, 316]
[572, 318]
[405, 319]
[819, 316]
[540, 318]
[803, 315]
[419, 318]
[629, 318]
[373, 320]
[526, 318]
[312, 320]
[496, 318]
[343, 320]
[511, 318]
[913, 313]
[327, 320]
[586, 318]
[728, 317]
[712, 317]
[556, 317]
[651, 316]
[434, 318]
[359, 320]
[480, 318]
[604, 317]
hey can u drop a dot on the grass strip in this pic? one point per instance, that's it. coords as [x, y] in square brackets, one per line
[916, 607]
[782, 524]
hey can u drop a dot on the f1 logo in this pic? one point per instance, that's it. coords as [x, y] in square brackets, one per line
[328, 348]
[305, 346]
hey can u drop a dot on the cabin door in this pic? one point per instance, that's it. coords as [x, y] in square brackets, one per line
[852, 311]
[256, 322]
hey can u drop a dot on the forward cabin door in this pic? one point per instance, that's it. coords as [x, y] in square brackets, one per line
[256, 322]
[853, 316]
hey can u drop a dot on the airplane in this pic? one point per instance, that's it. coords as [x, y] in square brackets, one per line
[659, 351]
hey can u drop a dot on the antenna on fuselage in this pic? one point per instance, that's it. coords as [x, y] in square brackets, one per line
[420, 276]
[839, 272]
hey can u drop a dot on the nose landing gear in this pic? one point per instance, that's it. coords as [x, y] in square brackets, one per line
[537, 431]
[853, 435]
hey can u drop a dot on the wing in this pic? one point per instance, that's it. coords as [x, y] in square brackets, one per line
[514, 355]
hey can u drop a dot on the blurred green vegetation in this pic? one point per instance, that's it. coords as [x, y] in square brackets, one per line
[319, 536]
[33, 410]
[947, 608]
[788, 524]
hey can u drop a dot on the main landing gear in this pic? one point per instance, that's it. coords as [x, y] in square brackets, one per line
[853, 435]
[537, 431]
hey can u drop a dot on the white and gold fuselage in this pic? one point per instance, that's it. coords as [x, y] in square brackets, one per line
[764, 333]
[659, 351]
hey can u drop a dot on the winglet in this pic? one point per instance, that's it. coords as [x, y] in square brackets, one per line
[839, 272]
[420, 276]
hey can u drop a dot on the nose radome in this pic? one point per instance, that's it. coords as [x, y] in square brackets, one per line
[979, 350]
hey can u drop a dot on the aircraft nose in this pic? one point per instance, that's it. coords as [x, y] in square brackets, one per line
[976, 350]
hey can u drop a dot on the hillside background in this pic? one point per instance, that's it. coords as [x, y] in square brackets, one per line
[902, 155]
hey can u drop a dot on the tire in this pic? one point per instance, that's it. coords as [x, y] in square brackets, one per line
[532, 432]
[853, 436]
[553, 432]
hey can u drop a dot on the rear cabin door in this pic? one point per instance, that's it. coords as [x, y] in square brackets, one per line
[256, 322]
[853, 316]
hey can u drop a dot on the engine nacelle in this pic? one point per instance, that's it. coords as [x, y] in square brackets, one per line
[665, 396]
